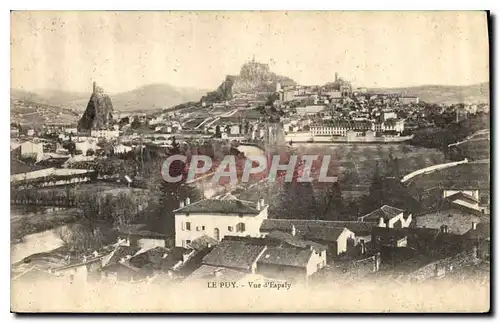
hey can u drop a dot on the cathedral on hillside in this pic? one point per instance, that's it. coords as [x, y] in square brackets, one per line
[340, 85]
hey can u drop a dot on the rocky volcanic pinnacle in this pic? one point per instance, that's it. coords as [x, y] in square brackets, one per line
[253, 77]
[99, 112]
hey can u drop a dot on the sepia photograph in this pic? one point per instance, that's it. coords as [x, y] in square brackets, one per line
[250, 161]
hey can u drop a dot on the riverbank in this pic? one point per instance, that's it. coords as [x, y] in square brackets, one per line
[26, 221]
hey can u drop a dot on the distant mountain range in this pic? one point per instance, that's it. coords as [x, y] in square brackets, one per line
[253, 76]
[145, 98]
[445, 94]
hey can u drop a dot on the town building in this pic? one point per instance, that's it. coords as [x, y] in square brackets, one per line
[106, 134]
[269, 258]
[51, 177]
[139, 236]
[218, 217]
[122, 149]
[388, 217]
[405, 100]
[338, 236]
[86, 145]
[30, 149]
[310, 109]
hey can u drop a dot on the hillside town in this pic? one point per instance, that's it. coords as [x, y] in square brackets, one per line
[411, 203]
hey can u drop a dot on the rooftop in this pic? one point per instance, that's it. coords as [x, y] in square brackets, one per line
[234, 254]
[221, 206]
[462, 196]
[215, 274]
[286, 256]
[118, 254]
[386, 212]
[482, 231]
[203, 242]
[302, 225]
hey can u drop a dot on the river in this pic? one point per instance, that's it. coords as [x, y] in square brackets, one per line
[30, 244]
[35, 243]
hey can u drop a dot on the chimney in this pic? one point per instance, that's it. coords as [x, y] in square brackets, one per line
[188, 201]
[181, 204]
[294, 231]
[381, 222]
[474, 225]
[94, 84]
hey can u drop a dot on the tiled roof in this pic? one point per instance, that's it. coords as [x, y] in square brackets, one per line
[482, 231]
[269, 225]
[152, 257]
[315, 232]
[159, 257]
[203, 242]
[211, 273]
[234, 254]
[286, 256]
[295, 241]
[229, 207]
[462, 196]
[387, 212]
[118, 253]
[357, 227]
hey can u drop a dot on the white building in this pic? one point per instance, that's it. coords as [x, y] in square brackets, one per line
[73, 131]
[397, 125]
[310, 109]
[86, 145]
[409, 100]
[234, 129]
[218, 217]
[32, 149]
[389, 115]
[388, 217]
[121, 149]
[107, 134]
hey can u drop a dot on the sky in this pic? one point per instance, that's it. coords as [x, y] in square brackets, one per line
[125, 50]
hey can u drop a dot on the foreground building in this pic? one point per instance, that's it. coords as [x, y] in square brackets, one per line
[218, 217]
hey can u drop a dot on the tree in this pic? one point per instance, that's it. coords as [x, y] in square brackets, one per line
[218, 132]
[124, 121]
[136, 124]
[376, 198]
[334, 204]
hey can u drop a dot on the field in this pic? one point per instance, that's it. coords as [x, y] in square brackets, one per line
[474, 175]
[356, 164]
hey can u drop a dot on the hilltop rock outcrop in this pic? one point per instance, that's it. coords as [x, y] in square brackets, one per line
[99, 112]
[253, 77]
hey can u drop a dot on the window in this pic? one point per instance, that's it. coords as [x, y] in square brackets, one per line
[188, 241]
[188, 226]
[203, 228]
[240, 227]
[230, 228]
